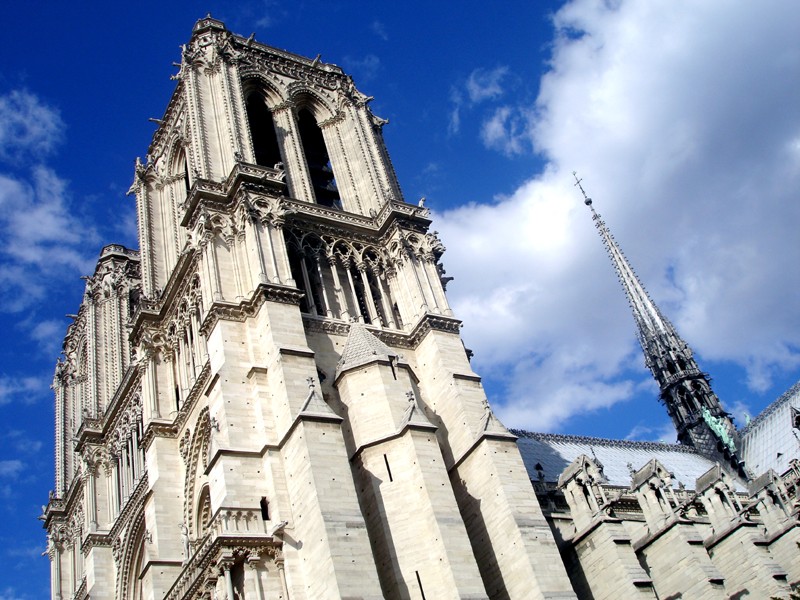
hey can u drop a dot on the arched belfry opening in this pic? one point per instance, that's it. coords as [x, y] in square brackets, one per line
[318, 160]
[180, 168]
[262, 131]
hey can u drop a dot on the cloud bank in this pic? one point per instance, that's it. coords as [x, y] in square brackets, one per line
[41, 237]
[684, 120]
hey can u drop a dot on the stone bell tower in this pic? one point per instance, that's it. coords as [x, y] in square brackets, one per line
[299, 418]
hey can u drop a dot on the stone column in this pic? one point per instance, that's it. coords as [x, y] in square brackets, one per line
[253, 577]
[357, 308]
[386, 300]
[373, 312]
[279, 563]
[312, 308]
[344, 313]
[91, 500]
[324, 291]
[226, 569]
[55, 570]
[255, 225]
[276, 277]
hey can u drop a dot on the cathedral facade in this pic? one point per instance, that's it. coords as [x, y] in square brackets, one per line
[271, 399]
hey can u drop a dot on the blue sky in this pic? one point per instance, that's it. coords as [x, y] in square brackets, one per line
[684, 121]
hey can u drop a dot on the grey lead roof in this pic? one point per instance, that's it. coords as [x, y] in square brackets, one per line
[619, 458]
[771, 441]
[361, 348]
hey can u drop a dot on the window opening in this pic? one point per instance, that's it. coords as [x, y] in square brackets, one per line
[318, 160]
[297, 274]
[397, 318]
[186, 183]
[264, 508]
[377, 296]
[262, 131]
[361, 301]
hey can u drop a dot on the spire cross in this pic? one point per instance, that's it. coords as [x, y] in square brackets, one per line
[310, 382]
[586, 199]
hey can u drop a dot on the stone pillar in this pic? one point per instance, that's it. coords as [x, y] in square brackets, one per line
[736, 545]
[608, 565]
[226, 570]
[91, 499]
[252, 577]
[780, 522]
[671, 546]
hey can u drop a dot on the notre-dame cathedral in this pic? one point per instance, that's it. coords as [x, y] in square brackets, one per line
[270, 399]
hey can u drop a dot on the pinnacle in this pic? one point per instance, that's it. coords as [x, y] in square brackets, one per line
[361, 348]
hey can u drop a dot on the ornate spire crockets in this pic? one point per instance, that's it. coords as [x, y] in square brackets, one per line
[686, 391]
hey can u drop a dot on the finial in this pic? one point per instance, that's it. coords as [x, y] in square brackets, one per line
[310, 382]
[410, 396]
[586, 200]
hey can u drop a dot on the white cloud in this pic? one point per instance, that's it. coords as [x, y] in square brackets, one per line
[379, 29]
[40, 236]
[364, 68]
[481, 85]
[21, 442]
[24, 389]
[454, 122]
[683, 120]
[27, 126]
[486, 84]
[661, 432]
[11, 468]
[506, 130]
[48, 334]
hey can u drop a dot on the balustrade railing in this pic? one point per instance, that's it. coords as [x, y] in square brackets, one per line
[230, 528]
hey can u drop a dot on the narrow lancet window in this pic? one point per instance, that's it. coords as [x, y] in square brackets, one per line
[186, 182]
[318, 160]
[262, 131]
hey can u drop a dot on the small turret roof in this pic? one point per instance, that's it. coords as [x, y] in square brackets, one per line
[362, 348]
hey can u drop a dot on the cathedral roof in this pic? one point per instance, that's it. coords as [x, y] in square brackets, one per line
[784, 399]
[770, 440]
[619, 458]
[362, 348]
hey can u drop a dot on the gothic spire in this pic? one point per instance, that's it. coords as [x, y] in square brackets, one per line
[686, 391]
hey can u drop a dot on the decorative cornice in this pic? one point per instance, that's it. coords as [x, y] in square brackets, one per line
[156, 429]
[221, 195]
[239, 312]
[165, 306]
[95, 540]
[391, 337]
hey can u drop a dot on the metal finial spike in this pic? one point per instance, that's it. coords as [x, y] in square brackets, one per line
[586, 199]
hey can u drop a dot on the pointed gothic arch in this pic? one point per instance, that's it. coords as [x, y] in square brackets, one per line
[203, 517]
[195, 481]
[132, 559]
[263, 130]
[318, 158]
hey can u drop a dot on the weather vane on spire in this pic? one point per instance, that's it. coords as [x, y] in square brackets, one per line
[586, 199]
